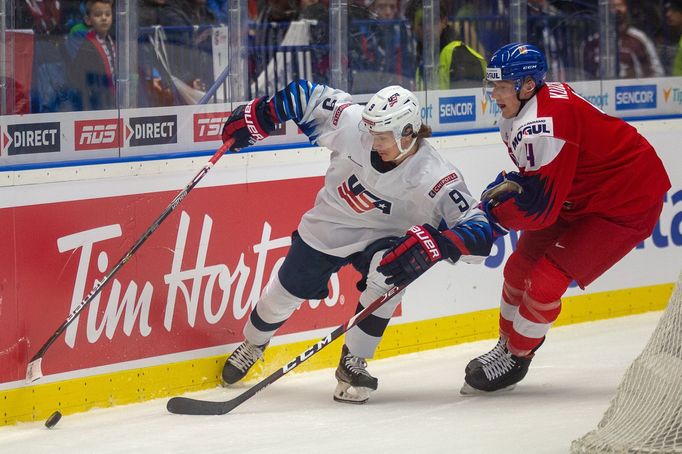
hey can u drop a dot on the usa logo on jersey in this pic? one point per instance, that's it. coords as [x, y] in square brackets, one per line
[360, 199]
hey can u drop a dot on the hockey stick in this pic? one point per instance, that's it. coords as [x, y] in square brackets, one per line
[34, 370]
[188, 406]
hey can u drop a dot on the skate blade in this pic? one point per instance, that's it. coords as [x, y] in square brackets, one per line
[348, 394]
[468, 390]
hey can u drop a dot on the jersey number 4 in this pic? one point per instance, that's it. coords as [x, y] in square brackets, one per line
[530, 156]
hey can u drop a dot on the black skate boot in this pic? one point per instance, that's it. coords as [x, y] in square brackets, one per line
[501, 373]
[488, 357]
[354, 382]
[240, 361]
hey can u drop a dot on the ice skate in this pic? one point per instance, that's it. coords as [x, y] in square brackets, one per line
[492, 355]
[500, 374]
[354, 382]
[240, 361]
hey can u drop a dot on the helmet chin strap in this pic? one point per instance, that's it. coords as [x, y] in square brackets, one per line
[522, 101]
[404, 151]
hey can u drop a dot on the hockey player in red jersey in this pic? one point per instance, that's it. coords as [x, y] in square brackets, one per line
[591, 189]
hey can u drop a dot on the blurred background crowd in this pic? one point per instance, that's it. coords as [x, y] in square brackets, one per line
[66, 55]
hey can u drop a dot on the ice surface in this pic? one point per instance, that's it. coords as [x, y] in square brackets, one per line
[417, 408]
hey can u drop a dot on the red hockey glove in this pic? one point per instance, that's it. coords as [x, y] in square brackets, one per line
[249, 123]
[415, 253]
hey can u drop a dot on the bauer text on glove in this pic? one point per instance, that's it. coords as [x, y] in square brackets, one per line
[249, 123]
[415, 253]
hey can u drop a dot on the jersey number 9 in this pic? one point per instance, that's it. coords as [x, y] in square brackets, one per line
[459, 200]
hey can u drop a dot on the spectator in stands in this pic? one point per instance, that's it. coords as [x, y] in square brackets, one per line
[482, 25]
[265, 36]
[180, 72]
[362, 44]
[198, 12]
[385, 9]
[543, 18]
[49, 86]
[276, 11]
[202, 42]
[672, 40]
[646, 15]
[637, 56]
[219, 10]
[43, 17]
[17, 97]
[92, 72]
[73, 14]
[388, 51]
[317, 15]
[459, 66]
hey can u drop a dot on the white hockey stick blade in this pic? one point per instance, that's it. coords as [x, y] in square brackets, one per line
[34, 371]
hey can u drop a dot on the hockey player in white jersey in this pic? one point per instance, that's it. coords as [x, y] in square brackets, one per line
[383, 180]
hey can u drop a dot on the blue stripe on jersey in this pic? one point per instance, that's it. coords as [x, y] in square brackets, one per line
[476, 235]
[287, 103]
[291, 103]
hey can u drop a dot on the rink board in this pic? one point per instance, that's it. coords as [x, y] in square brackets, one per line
[165, 323]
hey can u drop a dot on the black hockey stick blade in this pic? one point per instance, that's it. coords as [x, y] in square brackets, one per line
[34, 368]
[188, 406]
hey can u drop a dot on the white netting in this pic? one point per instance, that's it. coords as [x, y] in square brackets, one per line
[645, 416]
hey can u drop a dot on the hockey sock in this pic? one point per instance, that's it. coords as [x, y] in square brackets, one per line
[540, 307]
[509, 307]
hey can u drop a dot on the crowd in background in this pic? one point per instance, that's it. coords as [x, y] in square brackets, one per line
[74, 53]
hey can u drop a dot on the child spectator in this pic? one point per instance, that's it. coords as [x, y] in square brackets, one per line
[92, 70]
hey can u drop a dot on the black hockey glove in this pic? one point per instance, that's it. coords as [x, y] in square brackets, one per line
[415, 253]
[249, 123]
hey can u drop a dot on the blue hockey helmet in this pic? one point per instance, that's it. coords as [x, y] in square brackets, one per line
[515, 62]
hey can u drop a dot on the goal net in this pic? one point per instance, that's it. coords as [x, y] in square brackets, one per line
[645, 416]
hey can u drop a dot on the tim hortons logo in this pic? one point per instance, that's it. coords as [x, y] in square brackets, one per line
[97, 134]
[208, 127]
[131, 304]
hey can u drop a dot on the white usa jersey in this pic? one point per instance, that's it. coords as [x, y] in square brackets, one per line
[359, 204]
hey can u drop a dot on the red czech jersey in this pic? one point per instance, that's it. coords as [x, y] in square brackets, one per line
[576, 160]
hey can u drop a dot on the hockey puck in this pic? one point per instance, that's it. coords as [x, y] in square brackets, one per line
[53, 419]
